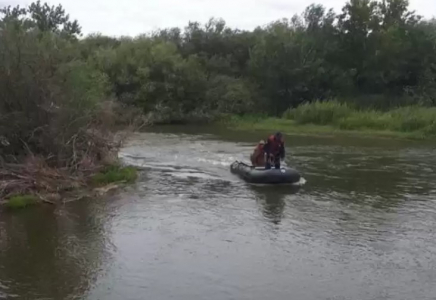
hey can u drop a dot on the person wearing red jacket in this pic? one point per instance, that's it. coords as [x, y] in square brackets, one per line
[275, 150]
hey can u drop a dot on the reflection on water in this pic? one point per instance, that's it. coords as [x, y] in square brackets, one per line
[362, 227]
[50, 254]
[272, 200]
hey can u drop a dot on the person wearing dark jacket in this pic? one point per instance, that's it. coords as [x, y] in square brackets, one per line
[275, 150]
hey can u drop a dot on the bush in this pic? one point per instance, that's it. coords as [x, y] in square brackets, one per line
[320, 113]
[430, 129]
[51, 102]
[53, 108]
[226, 94]
[404, 119]
[365, 120]
[382, 102]
[153, 76]
[413, 118]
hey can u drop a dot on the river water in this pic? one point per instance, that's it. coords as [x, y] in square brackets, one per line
[361, 227]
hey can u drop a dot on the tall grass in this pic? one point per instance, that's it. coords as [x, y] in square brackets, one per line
[407, 119]
[320, 113]
[114, 174]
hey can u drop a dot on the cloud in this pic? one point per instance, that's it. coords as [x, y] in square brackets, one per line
[132, 17]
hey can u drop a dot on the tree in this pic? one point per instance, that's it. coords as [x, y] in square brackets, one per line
[43, 17]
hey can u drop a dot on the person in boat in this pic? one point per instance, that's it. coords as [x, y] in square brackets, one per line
[258, 155]
[274, 149]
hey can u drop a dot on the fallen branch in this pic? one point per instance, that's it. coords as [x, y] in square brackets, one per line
[36, 178]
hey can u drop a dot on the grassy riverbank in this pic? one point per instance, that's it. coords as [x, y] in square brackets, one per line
[333, 117]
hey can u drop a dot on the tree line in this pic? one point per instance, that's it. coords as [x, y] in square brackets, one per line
[378, 52]
[375, 53]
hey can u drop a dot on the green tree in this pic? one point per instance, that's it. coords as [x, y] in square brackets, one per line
[293, 60]
[43, 17]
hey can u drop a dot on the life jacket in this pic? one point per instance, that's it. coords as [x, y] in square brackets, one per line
[274, 146]
[259, 148]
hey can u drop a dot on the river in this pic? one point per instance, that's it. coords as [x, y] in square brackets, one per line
[362, 226]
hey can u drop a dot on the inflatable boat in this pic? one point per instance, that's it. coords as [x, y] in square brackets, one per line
[261, 175]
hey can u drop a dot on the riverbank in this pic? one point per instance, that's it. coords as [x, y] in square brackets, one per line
[291, 127]
[29, 186]
[334, 118]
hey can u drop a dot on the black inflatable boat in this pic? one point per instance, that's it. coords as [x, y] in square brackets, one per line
[262, 175]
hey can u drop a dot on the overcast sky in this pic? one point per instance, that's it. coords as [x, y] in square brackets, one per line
[132, 17]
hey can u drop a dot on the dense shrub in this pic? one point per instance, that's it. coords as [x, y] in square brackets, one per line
[405, 119]
[55, 120]
[320, 113]
[229, 95]
[366, 120]
[50, 100]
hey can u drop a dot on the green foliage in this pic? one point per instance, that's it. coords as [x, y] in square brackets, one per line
[320, 113]
[114, 174]
[293, 60]
[366, 120]
[414, 118]
[20, 202]
[377, 53]
[44, 90]
[52, 101]
[42, 17]
[230, 95]
[408, 119]
[152, 75]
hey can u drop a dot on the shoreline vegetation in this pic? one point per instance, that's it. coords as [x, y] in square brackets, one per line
[51, 186]
[336, 118]
[65, 96]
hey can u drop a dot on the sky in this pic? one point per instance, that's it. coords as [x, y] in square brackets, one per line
[133, 17]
